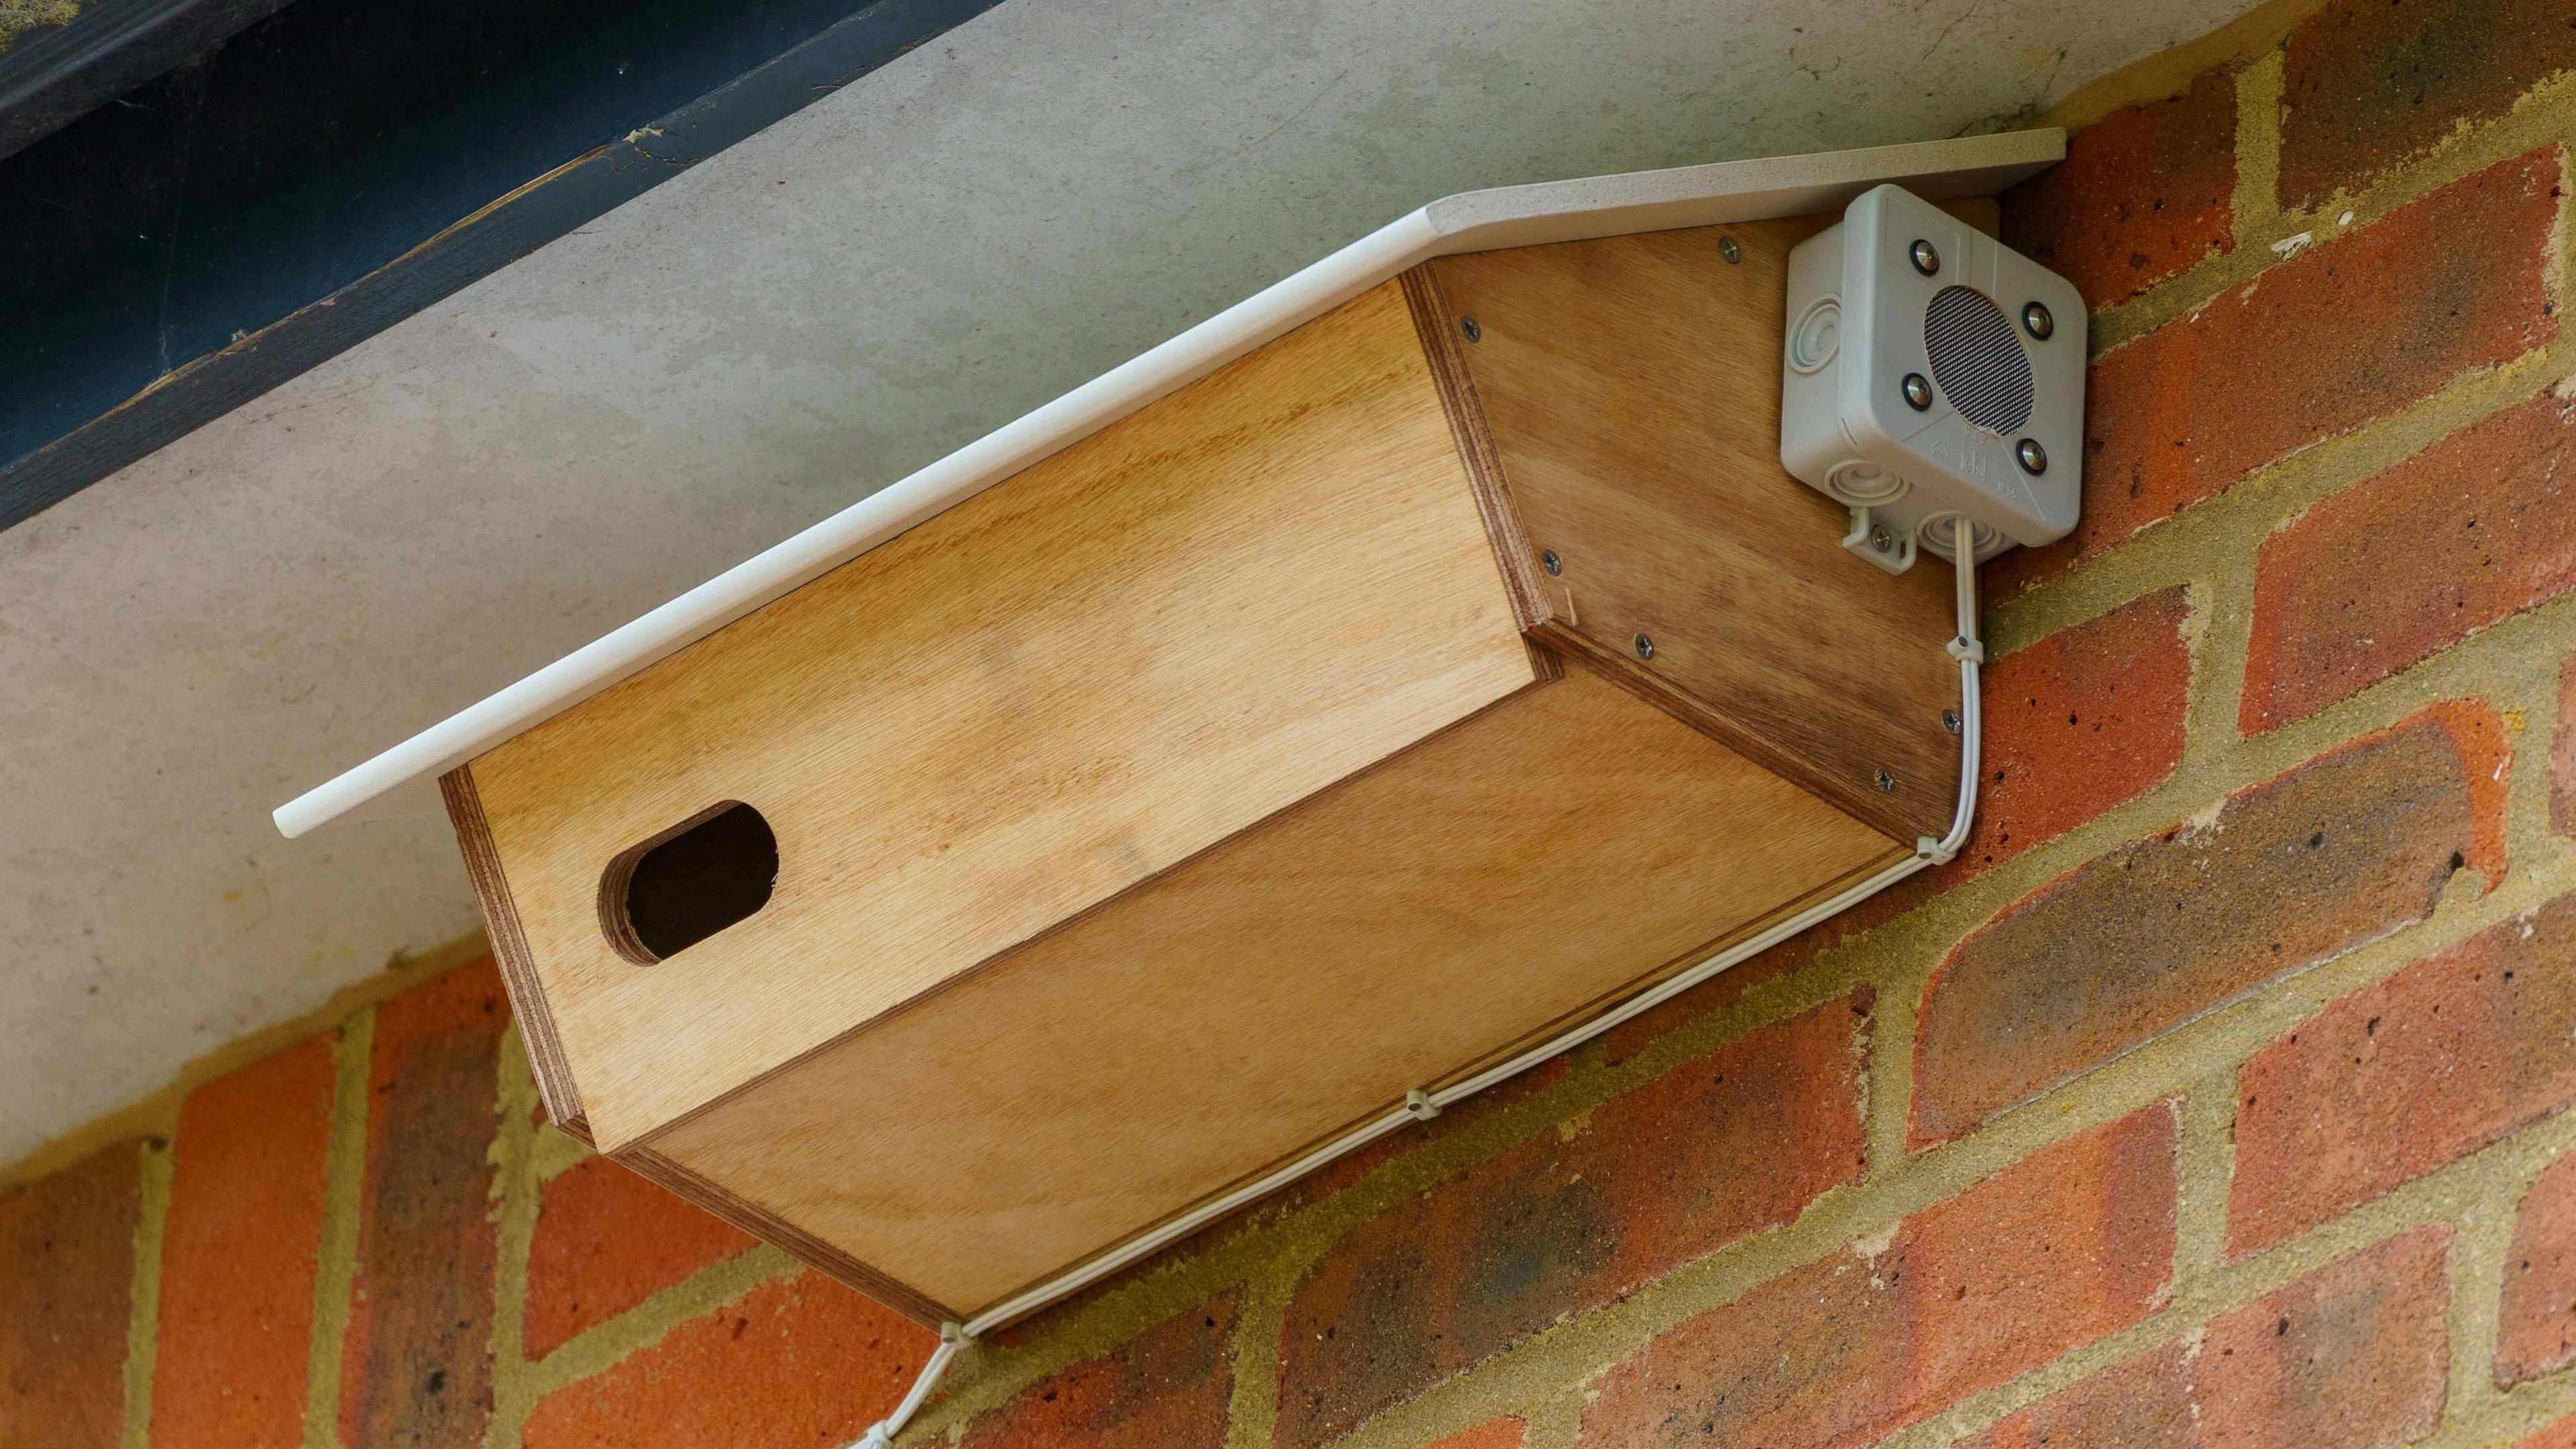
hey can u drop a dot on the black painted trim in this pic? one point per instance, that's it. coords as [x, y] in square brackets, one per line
[53, 74]
[198, 391]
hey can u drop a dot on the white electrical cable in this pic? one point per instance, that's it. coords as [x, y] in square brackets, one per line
[952, 1341]
[1966, 647]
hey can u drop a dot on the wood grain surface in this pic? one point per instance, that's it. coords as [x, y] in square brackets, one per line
[1024, 706]
[1631, 388]
[1406, 926]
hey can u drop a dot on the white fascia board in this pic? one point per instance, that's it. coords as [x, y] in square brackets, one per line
[404, 780]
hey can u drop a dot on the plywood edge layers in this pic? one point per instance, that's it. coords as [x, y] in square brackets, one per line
[778, 1232]
[1590, 1011]
[1442, 349]
[546, 1058]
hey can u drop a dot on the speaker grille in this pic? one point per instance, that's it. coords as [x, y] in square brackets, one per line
[1977, 359]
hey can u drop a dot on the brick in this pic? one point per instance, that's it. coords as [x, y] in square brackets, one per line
[2561, 1435]
[1327, 1181]
[1729, 1144]
[2536, 1318]
[2353, 1354]
[2347, 331]
[2562, 755]
[416, 1359]
[2369, 85]
[605, 1241]
[2143, 1402]
[2396, 569]
[2397, 1079]
[1815, 1357]
[1504, 1433]
[2074, 1242]
[239, 1254]
[800, 1361]
[2339, 851]
[2085, 719]
[2142, 194]
[66, 1295]
[1167, 1388]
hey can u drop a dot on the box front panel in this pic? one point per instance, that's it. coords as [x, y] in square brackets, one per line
[1034, 701]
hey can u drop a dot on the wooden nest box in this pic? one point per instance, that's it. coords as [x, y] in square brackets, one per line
[1410, 662]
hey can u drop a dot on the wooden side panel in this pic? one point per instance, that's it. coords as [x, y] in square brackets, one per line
[1519, 869]
[1631, 389]
[1028, 704]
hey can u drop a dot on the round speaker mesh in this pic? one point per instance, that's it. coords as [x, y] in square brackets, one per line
[1977, 359]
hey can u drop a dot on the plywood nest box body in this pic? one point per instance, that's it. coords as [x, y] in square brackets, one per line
[1412, 661]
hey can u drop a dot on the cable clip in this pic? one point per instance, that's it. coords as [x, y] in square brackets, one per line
[1967, 650]
[1888, 546]
[1418, 1104]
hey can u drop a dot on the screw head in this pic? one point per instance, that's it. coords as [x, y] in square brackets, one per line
[1925, 256]
[1468, 329]
[1918, 391]
[1727, 248]
[2036, 321]
[1886, 781]
[1645, 647]
[1881, 539]
[2032, 457]
[1548, 560]
[1950, 720]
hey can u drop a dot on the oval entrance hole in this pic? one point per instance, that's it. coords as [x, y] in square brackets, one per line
[710, 871]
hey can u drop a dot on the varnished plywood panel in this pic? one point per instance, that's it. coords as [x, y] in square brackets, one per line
[1022, 707]
[1630, 388]
[1519, 868]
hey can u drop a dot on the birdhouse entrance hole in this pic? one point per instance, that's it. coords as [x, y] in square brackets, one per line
[710, 871]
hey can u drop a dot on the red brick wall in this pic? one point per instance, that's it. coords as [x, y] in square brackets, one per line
[2217, 1096]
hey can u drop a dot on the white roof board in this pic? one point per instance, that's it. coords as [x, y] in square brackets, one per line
[404, 779]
